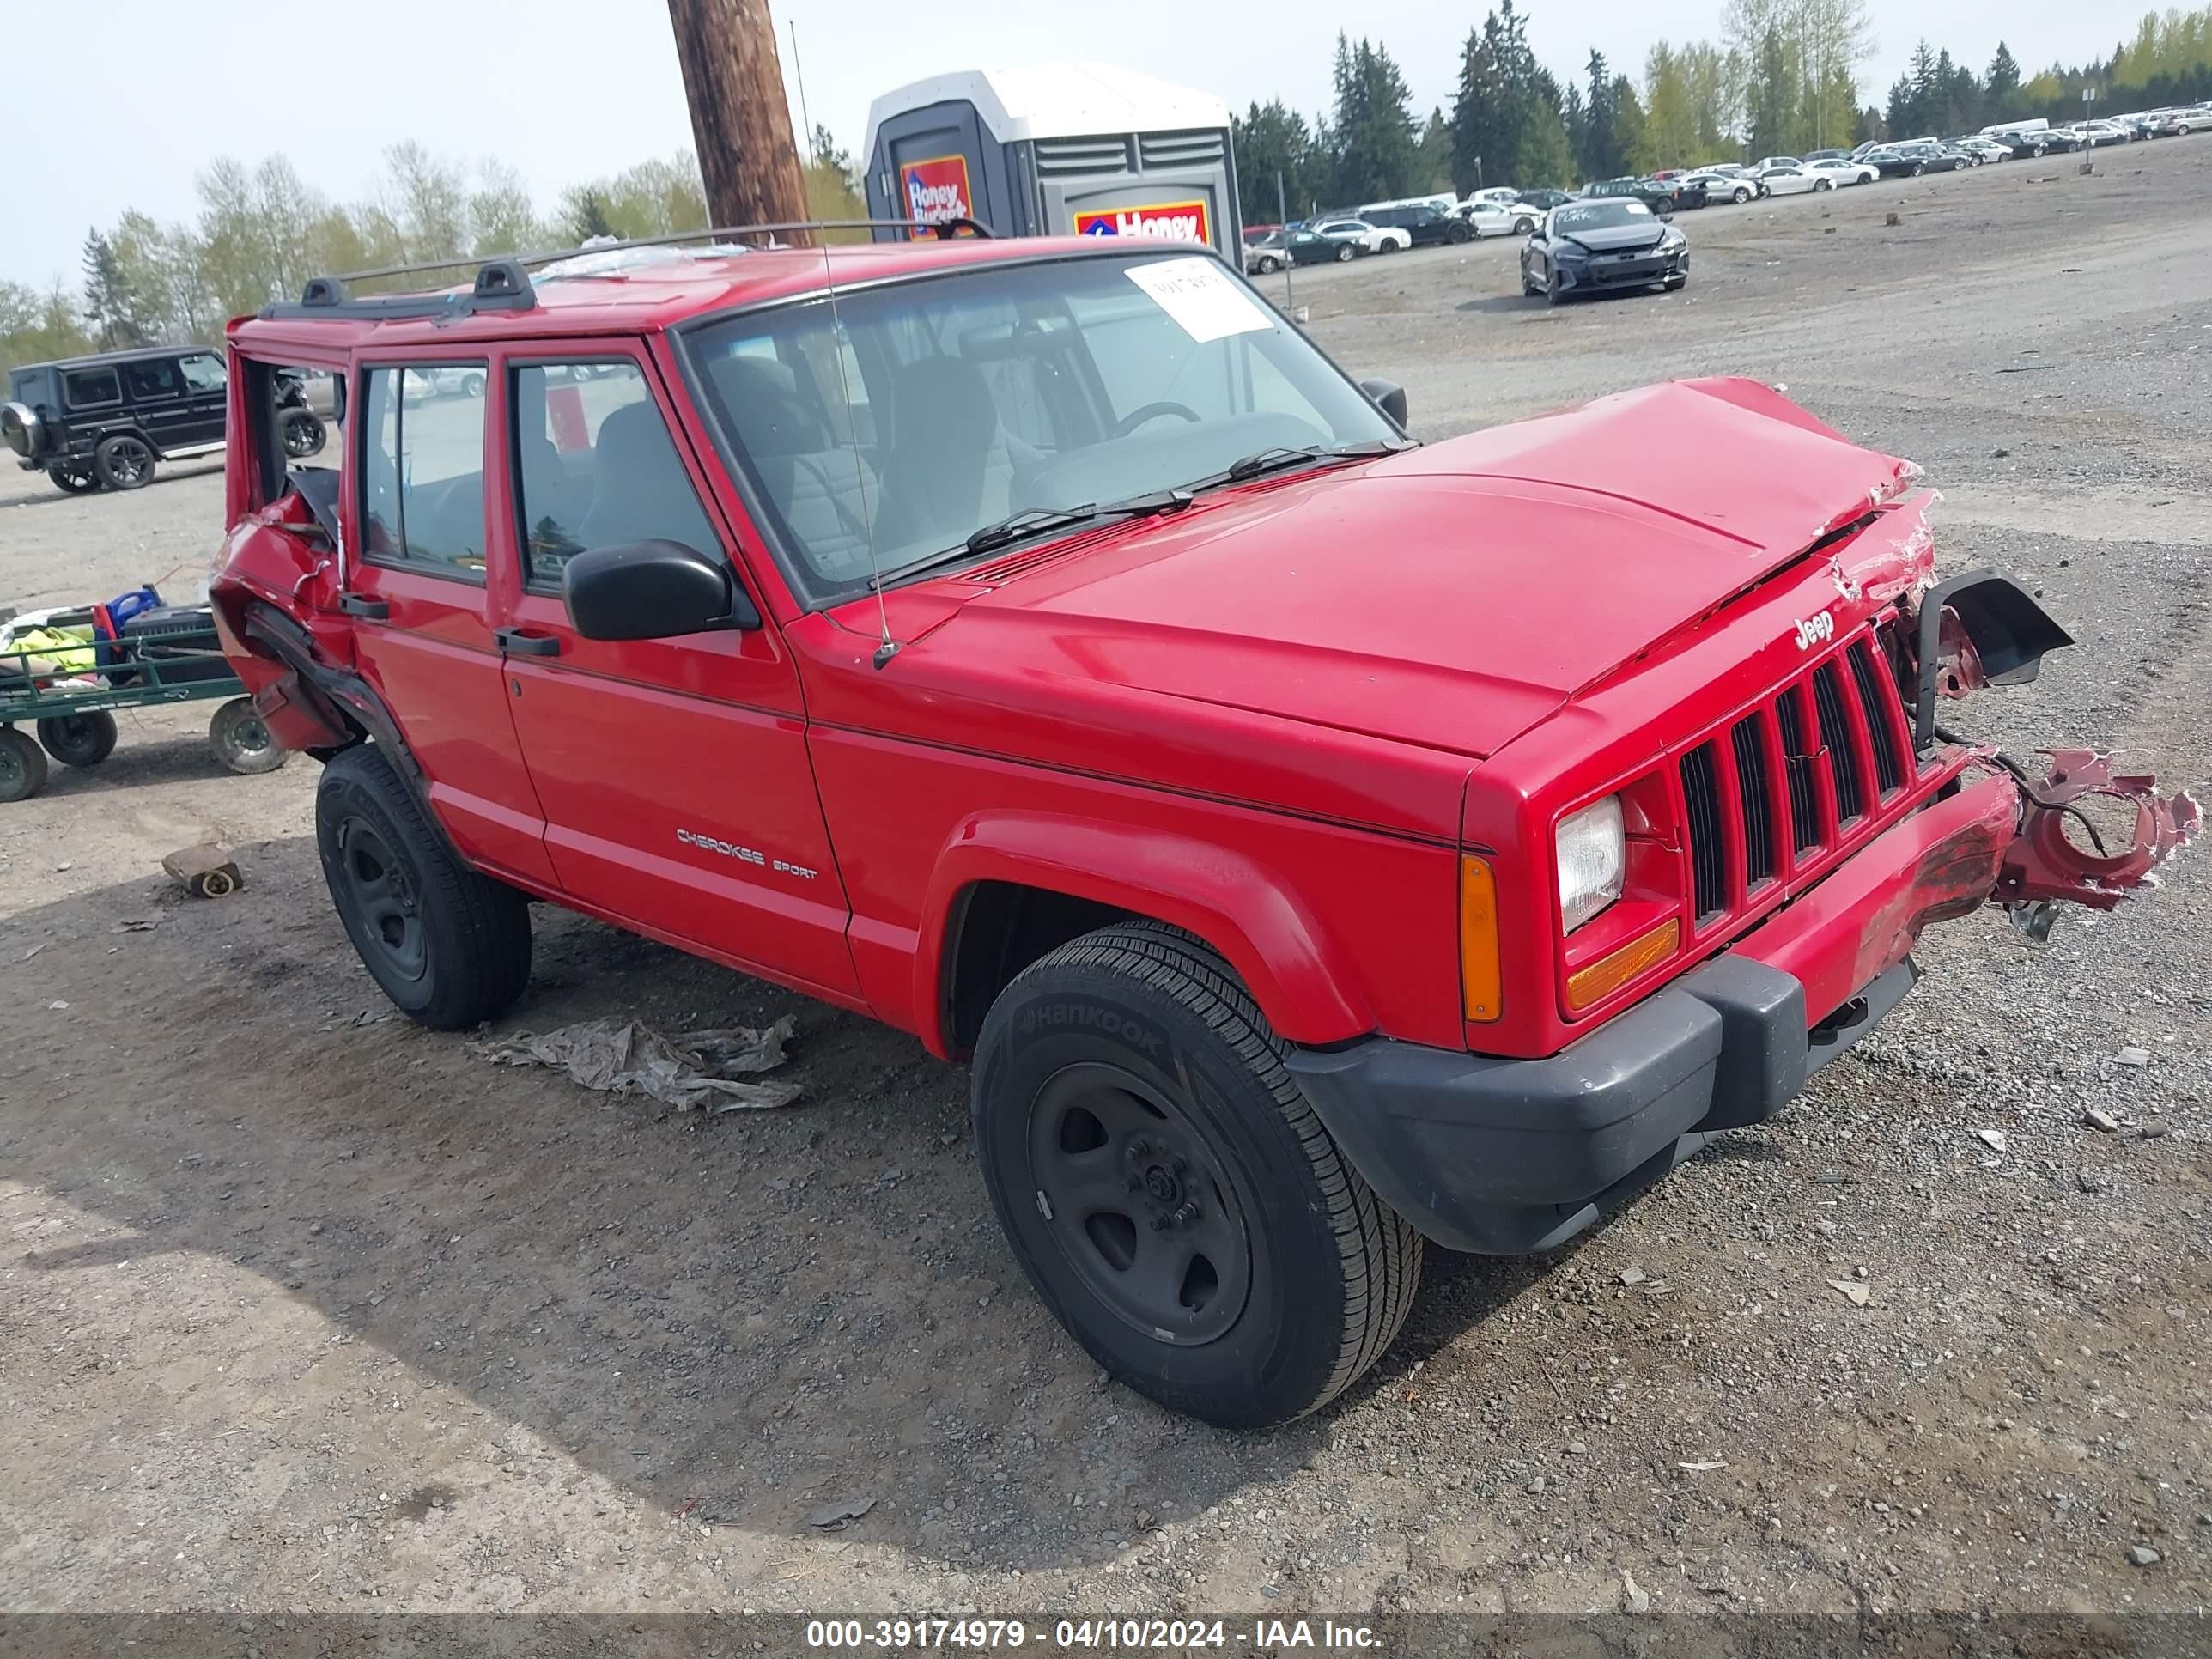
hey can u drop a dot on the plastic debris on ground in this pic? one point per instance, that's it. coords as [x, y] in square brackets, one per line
[693, 1071]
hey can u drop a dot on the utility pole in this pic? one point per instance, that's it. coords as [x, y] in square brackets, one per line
[740, 118]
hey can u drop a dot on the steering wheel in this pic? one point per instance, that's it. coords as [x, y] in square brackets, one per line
[1136, 418]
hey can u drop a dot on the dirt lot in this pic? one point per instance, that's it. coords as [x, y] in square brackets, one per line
[303, 1309]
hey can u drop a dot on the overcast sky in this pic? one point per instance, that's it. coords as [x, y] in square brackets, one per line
[124, 115]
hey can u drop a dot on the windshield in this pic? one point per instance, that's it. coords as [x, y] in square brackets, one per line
[1597, 215]
[946, 403]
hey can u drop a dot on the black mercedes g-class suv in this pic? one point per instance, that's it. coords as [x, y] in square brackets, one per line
[105, 420]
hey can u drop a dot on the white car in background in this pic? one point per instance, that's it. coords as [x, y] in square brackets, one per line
[1722, 186]
[1497, 218]
[1504, 195]
[1839, 170]
[1362, 237]
[1794, 181]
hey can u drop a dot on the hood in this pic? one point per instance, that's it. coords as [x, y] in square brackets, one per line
[1609, 239]
[1451, 596]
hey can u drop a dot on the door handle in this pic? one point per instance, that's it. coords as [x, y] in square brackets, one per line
[359, 605]
[516, 643]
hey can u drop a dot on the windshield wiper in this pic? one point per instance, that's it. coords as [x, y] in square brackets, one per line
[1275, 459]
[1040, 521]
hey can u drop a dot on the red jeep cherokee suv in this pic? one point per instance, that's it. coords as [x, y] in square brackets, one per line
[1317, 843]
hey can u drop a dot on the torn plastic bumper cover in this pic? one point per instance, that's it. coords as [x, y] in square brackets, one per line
[2046, 864]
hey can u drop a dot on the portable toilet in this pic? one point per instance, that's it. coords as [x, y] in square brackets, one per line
[1056, 150]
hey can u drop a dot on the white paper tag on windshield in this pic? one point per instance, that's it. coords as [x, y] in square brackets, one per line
[1198, 294]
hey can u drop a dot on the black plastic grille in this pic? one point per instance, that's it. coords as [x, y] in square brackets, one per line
[1758, 863]
[1836, 735]
[1798, 749]
[1701, 795]
[1888, 762]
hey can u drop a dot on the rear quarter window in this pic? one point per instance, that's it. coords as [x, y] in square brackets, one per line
[88, 388]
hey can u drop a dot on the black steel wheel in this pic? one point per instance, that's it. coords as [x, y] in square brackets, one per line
[125, 461]
[450, 946]
[22, 766]
[74, 478]
[79, 740]
[1168, 1189]
[241, 741]
[1143, 1207]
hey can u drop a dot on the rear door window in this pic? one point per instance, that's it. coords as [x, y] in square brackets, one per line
[421, 474]
[88, 388]
[153, 380]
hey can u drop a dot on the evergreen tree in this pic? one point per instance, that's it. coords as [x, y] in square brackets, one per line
[2000, 87]
[1271, 139]
[1574, 116]
[1770, 99]
[108, 303]
[1478, 139]
[1604, 156]
[1927, 105]
[1377, 154]
[1628, 126]
[1435, 161]
[587, 215]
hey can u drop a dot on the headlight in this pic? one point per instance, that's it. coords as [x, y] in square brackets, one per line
[1593, 855]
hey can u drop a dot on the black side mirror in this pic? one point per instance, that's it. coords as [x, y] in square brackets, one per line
[653, 591]
[1389, 396]
[338, 397]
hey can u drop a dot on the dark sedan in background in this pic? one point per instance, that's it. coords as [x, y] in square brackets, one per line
[1590, 246]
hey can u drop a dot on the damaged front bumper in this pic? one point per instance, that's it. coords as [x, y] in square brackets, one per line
[1504, 1157]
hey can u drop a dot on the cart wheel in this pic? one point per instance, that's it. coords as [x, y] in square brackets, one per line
[241, 742]
[22, 766]
[79, 740]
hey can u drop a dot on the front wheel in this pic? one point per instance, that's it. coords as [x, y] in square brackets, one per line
[125, 461]
[1739, 195]
[1168, 1189]
[1824, 183]
[1269, 267]
[449, 947]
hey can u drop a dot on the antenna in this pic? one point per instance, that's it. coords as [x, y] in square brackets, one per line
[888, 647]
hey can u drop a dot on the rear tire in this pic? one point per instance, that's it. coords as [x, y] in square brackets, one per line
[79, 740]
[1739, 195]
[449, 947]
[1824, 183]
[73, 478]
[22, 766]
[1346, 252]
[1170, 1192]
[241, 742]
[124, 461]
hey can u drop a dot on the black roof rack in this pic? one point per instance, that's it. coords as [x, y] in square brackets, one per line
[503, 283]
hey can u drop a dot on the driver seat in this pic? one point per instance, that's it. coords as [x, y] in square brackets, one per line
[952, 463]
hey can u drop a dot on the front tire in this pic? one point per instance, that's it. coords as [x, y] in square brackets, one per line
[449, 947]
[124, 461]
[1824, 183]
[1269, 267]
[1739, 195]
[1170, 1192]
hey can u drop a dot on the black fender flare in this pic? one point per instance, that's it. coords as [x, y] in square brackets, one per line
[2009, 631]
[358, 702]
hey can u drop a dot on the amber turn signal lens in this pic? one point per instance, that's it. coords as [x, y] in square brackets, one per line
[1478, 940]
[1593, 984]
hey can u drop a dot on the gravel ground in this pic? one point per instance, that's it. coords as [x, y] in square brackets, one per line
[301, 1308]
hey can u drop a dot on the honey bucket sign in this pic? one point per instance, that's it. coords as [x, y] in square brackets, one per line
[1163, 222]
[936, 190]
